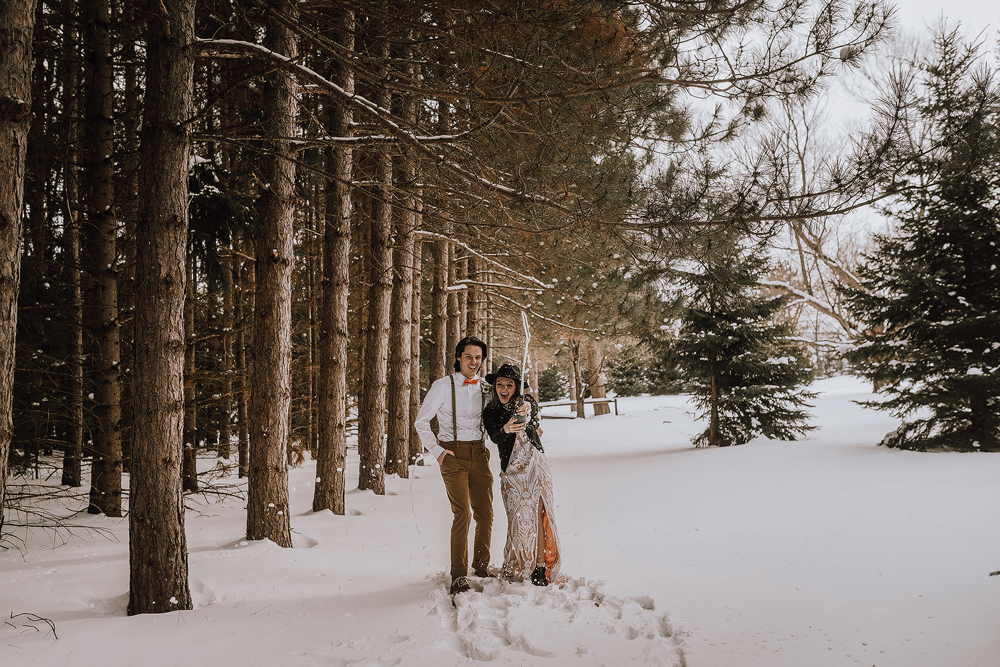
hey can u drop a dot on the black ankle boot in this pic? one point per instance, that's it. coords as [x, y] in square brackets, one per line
[538, 576]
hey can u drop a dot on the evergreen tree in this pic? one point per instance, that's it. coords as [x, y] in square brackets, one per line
[552, 385]
[743, 370]
[628, 372]
[644, 369]
[930, 293]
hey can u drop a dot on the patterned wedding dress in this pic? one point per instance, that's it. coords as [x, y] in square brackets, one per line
[526, 487]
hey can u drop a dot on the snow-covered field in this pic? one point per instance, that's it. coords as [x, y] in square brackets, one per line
[824, 552]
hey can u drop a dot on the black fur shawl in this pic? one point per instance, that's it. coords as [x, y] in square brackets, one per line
[495, 416]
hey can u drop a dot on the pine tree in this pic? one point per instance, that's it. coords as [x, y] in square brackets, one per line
[744, 372]
[930, 293]
[552, 386]
[646, 368]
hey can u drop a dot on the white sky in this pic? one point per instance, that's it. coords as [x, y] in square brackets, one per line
[974, 15]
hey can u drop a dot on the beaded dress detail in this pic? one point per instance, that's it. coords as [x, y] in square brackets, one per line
[526, 487]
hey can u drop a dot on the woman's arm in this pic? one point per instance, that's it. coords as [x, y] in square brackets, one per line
[494, 421]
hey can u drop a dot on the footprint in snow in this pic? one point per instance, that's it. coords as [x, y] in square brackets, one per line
[504, 621]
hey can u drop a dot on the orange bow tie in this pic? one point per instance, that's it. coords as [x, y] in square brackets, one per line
[470, 381]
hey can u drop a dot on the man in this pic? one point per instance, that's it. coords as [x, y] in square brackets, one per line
[457, 402]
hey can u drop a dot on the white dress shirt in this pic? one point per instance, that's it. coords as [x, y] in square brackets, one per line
[468, 408]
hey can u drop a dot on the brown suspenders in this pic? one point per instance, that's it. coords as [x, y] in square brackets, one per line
[454, 409]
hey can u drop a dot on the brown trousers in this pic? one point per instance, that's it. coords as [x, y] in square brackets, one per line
[469, 483]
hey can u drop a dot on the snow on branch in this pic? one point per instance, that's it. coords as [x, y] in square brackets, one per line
[534, 313]
[380, 114]
[506, 269]
[835, 344]
[803, 296]
[823, 306]
[461, 285]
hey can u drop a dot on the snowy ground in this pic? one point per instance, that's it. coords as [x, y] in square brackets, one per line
[825, 552]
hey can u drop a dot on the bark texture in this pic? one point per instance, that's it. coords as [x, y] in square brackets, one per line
[438, 363]
[270, 397]
[576, 362]
[373, 395]
[333, 337]
[72, 473]
[416, 447]
[228, 323]
[102, 261]
[595, 378]
[397, 457]
[17, 18]
[158, 567]
[189, 467]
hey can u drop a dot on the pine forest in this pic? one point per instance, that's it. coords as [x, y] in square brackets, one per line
[238, 235]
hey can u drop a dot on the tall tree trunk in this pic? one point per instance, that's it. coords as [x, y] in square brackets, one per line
[595, 362]
[209, 422]
[189, 469]
[713, 425]
[438, 363]
[474, 314]
[713, 401]
[72, 473]
[244, 305]
[574, 348]
[228, 324]
[158, 569]
[102, 260]
[397, 459]
[373, 394]
[270, 397]
[129, 196]
[416, 448]
[398, 441]
[36, 248]
[460, 318]
[489, 326]
[571, 372]
[314, 262]
[72, 469]
[333, 338]
[454, 313]
[17, 19]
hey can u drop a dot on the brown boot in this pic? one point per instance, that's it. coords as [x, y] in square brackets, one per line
[486, 574]
[459, 585]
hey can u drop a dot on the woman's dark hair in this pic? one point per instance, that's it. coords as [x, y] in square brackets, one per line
[464, 343]
[494, 398]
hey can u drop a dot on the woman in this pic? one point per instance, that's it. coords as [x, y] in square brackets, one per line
[525, 481]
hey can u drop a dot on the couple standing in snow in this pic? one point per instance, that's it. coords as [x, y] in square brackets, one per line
[463, 404]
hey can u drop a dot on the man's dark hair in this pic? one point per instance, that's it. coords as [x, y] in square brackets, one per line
[464, 343]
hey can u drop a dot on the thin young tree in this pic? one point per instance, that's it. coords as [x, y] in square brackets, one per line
[745, 373]
[416, 448]
[72, 469]
[189, 467]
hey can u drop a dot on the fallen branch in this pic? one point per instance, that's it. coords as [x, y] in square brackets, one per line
[34, 618]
